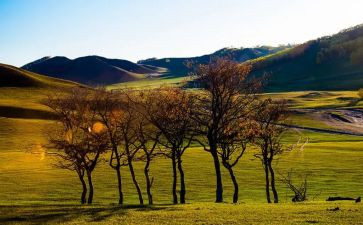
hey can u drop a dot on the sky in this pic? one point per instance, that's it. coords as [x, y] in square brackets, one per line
[140, 29]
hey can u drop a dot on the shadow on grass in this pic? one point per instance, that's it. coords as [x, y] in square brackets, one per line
[39, 214]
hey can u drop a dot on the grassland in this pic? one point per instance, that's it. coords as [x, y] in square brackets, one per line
[32, 190]
[198, 213]
[151, 83]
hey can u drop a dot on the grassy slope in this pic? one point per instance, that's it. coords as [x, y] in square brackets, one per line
[27, 177]
[328, 63]
[21, 92]
[25, 78]
[150, 83]
[311, 213]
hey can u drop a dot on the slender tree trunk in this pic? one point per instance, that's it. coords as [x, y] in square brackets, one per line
[131, 167]
[267, 181]
[173, 160]
[273, 187]
[148, 181]
[217, 166]
[84, 188]
[235, 184]
[182, 181]
[119, 185]
[90, 184]
[118, 173]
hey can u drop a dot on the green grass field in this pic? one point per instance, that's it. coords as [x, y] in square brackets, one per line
[197, 213]
[32, 190]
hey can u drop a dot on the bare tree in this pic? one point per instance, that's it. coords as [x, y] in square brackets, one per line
[268, 138]
[232, 147]
[228, 95]
[299, 191]
[148, 139]
[79, 140]
[168, 109]
[127, 128]
[108, 108]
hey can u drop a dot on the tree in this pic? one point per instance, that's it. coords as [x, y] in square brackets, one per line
[148, 139]
[268, 121]
[168, 109]
[227, 97]
[232, 147]
[299, 191]
[127, 128]
[80, 139]
[107, 105]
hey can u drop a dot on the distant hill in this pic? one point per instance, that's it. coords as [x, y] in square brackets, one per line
[328, 63]
[22, 93]
[11, 76]
[93, 70]
[176, 66]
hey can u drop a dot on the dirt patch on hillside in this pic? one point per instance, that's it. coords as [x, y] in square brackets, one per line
[350, 120]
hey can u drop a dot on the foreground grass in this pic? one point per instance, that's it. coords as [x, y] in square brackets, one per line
[27, 176]
[197, 213]
[30, 186]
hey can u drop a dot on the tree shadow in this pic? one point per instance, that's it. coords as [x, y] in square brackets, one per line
[66, 213]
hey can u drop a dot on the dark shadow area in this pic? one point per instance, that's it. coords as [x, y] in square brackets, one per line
[40, 214]
[16, 112]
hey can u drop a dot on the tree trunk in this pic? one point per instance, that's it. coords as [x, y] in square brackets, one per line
[217, 166]
[273, 187]
[173, 160]
[235, 184]
[141, 200]
[118, 173]
[90, 184]
[148, 181]
[119, 184]
[84, 188]
[182, 181]
[267, 182]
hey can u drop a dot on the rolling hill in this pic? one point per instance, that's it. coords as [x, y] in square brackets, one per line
[22, 92]
[11, 76]
[93, 70]
[328, 63]
[177, 67]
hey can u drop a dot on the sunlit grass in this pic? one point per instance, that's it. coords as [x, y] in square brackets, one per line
[333, 162]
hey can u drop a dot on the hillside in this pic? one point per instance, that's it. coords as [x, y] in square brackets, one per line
[328, 63]
[93, 70]
[22, 92]
[11, 76]
[177, 66]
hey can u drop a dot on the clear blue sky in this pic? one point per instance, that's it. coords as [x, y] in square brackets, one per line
[139, 29]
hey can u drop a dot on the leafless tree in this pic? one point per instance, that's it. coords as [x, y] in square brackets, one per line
[79, 139]
[269, 139]
[233, 146]
[127, 126]
[168, 109]
[148, 139]
[227, 97]
[299, 191]
[107, 105]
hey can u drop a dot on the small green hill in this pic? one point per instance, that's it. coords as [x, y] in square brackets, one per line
[328, 63]
[178, 67]
[11, 76]
[22, 93]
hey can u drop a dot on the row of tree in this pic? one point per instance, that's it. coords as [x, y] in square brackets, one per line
[224, 117]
